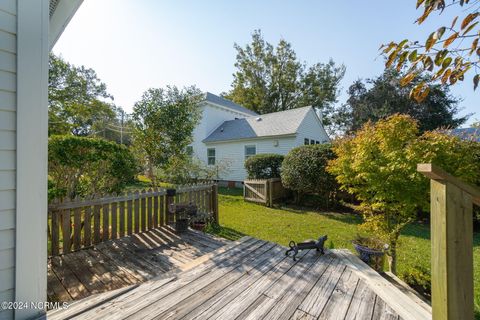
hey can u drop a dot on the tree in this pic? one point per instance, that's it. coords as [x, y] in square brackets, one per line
[304, 171]
[164, 120]
[270, 79]
[378, 165]
[447, 54]
[77, 99]
[386, 96]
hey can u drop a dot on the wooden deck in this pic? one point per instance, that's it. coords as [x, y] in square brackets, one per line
[123, 262]
[252, 279]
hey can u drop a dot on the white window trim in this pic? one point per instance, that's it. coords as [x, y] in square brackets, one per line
[245, 150]
[214, 156]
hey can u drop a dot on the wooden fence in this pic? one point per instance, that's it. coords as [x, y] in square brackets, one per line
[81, 223]
[265, 191]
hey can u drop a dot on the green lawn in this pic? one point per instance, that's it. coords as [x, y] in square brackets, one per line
[239, 218]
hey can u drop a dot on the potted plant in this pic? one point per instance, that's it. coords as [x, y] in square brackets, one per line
[199, 225]
[371, 251]
[183, 213]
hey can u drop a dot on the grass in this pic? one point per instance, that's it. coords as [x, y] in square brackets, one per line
[280, 225]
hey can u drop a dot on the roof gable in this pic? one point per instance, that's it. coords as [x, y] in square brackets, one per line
[266, 125]
[212, 98]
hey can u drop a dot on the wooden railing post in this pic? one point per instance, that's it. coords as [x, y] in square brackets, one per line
[452, 244]
[215, 203]
[170, 198]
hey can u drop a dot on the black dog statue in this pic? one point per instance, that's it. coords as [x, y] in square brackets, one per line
[309, 244]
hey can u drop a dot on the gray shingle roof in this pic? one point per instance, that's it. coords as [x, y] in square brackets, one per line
[271, 124]
[472, 134]
[210, 97]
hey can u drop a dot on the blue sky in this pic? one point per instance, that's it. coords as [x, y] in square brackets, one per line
[137, 44]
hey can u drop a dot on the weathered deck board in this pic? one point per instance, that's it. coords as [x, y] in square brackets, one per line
[125, 261]
[252, 279]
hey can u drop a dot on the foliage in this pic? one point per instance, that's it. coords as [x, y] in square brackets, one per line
[164, 120]
[186, 170]
[264, 166]
[80, 166]
[419, 278]
[272, 79]
[378, 166]
[78, 100]
[369, 242]
[304, 171]
[386, 96]
[447, 54]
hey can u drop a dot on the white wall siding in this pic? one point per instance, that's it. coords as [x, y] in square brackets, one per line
[312, 129]
[8, 27]
[212, 117]
[234, 153]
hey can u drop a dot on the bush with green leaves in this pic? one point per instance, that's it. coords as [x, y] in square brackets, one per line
[304, 171]
[379, 166]
[80, 166]
[264, 166]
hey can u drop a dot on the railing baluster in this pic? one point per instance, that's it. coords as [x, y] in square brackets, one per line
[122, 219]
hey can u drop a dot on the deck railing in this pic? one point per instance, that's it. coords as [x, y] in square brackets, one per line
[80, 223]
[452, 244]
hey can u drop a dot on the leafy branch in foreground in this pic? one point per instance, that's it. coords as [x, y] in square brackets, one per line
[447, 54]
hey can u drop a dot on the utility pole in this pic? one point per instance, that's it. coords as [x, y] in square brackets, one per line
[121, 127]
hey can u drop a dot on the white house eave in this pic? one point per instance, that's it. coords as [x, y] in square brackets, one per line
[60, 17]
[251, 138]
[205, 102]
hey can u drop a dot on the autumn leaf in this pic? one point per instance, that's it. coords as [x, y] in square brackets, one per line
[440, 32]
[412, 56]
[450, 39]
[446, 75]
[446, 62]
[430, 41]
[469, 28]
[469, 18]
[407, 79]
[454, 22]
[474, 46]
[476, 78]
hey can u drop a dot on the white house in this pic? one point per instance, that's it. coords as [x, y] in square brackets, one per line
[28, 30]
[229, 133]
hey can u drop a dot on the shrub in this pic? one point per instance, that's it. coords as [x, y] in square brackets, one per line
[79, 166]
[264, 166]
[304, 171]
[419, 278]
[379, 166]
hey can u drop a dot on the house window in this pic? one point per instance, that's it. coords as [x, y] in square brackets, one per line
[211, 156]
[317, 142]
[306, 141]
[312, 141]
[250, 151]
[189, 150]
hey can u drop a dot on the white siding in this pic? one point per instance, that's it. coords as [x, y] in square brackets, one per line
[212, 117]
[312, 129]
[8, 27]
[233, 153]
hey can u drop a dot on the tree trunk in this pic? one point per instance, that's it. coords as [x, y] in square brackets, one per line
[393, 257]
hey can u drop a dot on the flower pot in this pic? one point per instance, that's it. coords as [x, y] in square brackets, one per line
[181, 225]
[373, 257]
[199, 225]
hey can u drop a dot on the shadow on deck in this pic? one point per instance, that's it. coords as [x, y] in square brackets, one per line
[126, 261]
[253, 279]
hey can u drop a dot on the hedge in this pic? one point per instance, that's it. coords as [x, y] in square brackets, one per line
[264, 166]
